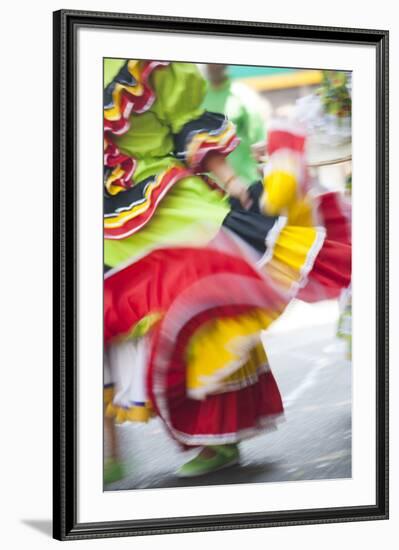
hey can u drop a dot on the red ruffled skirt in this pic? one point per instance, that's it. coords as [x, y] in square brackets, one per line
[202, 311]
[333, 212]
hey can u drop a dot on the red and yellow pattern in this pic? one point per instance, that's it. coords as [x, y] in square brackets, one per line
[202, 143]
[227, 353]
[306, 263]
[130, 94]
[133, 216]
[287, 187]
[135, 413]
[127, 99]
[285, 178]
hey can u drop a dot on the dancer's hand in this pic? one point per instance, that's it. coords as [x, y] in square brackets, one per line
[236, 188]
[217, 165]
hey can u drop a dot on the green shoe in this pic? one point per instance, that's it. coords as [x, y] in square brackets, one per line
[113, 471]
[226, 455]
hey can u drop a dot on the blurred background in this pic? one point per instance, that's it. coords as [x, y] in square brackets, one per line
[278, 92]
[278, 87]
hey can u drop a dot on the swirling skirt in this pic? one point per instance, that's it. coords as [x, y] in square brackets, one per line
[197, 313]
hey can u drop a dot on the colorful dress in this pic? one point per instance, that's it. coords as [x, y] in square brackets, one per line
[289, 191]
[192, 282]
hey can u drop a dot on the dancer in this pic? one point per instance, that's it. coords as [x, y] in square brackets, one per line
[289, 190]
[192, 282]
[245, 109]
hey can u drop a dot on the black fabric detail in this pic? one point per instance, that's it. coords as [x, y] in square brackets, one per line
[123, 77]
[127, 197]
[255, 192]
[209, 122]
[251, 225]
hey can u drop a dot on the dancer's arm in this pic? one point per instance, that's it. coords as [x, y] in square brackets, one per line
[216, 164]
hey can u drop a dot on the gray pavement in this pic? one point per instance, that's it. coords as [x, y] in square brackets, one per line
[313, 442]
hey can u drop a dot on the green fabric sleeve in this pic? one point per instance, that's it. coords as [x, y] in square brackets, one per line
[146, 137]
[111, 69]
[180, 90]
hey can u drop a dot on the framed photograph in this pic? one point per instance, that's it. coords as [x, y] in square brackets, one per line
[220, 274]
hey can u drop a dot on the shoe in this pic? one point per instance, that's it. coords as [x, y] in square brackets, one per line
[225, 456]
[113, 471]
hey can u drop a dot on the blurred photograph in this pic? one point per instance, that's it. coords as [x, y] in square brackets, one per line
[227, 274]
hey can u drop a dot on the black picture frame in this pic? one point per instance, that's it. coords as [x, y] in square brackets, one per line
[66, 23]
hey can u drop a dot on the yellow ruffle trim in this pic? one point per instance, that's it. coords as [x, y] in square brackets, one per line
[120, 219]
[226, 351]
[136, 413]
[291, 257]
[135, 70]
[108, 395]
[115, 175]
[199, 139]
